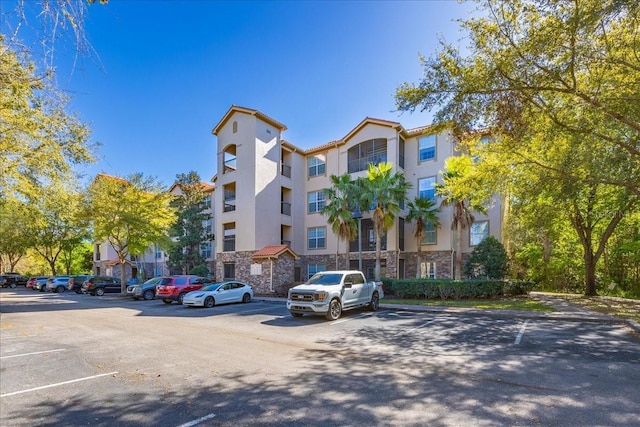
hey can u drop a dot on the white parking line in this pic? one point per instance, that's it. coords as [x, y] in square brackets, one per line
[31, 354]
[57, 384]
[198, 421]
[521, 333]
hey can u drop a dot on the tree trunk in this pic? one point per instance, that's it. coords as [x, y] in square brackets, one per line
[419, 267]
[590, 274]
[378, 256]
[457, 274]
[123, 275]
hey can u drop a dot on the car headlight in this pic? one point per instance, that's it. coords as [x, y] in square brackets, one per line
[198, 296]
[320, 296]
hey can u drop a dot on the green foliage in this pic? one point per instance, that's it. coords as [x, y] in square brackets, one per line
[200, 270]
[465, 193]
[423, 212]
[488, 260]
[188, 232]
[39, 140]
[457, 289]
[381, 193]
[562, 104]
[130, 215]
[339, 206]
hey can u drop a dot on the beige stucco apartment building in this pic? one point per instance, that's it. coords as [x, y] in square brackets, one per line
[269, 193]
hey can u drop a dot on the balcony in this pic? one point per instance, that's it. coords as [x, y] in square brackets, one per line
[285, 208]
[285, 170]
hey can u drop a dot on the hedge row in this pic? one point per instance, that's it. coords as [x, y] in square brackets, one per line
[456, 289]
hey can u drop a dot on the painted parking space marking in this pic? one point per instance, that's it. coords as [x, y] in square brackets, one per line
[521, 333]
[57, 384]
[435, 319]
[198, 421]
[34, 353]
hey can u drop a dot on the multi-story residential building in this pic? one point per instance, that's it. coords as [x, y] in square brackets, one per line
[154, 261]
[270, 197]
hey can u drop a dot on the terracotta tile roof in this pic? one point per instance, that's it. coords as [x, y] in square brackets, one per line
[274, 251]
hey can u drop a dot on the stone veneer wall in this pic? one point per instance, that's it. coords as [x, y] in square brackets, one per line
[442, 259]
[283, 267]
[264, 283]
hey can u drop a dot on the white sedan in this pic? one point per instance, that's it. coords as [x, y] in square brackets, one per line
[219, 293]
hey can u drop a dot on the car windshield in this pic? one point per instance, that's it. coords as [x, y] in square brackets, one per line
[325, 279]
[152, 281]
[211, 287]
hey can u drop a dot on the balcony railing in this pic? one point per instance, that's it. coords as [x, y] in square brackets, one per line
[285, 208]
[285, 170]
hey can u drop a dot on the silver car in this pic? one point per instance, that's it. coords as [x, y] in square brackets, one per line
[57, 284]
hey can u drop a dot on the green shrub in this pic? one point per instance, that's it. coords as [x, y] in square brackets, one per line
[456, 289]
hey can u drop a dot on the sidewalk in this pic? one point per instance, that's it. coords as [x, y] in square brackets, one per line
[565, 310]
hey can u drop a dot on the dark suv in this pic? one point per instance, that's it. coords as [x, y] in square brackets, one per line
[99, 285]
[12, 280]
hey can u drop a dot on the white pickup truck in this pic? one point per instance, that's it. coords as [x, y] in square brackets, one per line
[328, 293]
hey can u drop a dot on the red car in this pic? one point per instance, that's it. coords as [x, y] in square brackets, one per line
[179, 286]
[32, 281]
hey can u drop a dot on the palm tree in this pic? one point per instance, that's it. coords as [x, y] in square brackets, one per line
[423, 212]
[382, 192]
[458, 191]
[339, 199]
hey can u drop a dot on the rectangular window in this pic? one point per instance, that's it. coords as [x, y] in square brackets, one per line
[427, 148]
[316, 201]
[317, 165]
[206, 203]
[401, 152]
[478, 232]
[316, 237]
[315, 268]
[427, 188]
[429, 235]
[229, 242]
[158, 254]
[229, 270]
[401, 234]
[205, 250]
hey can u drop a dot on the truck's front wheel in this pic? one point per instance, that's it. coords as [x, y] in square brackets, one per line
[335, 310]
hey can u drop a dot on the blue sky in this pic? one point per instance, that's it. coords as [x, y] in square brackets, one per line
[169, 70]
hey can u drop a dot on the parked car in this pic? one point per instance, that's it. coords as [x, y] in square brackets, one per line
[11, 280]
[147, 290]
[40, 285]
[57, 284]
[219, 293]
[75, 283]
[99, 285]
[179, 286]
[32, 281]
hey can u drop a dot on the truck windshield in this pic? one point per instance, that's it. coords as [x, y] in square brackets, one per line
[325, 279]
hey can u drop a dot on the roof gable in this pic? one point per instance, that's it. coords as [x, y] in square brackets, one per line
[237, 109]
[274, 251]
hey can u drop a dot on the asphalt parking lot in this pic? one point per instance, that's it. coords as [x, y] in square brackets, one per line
[79, 360]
